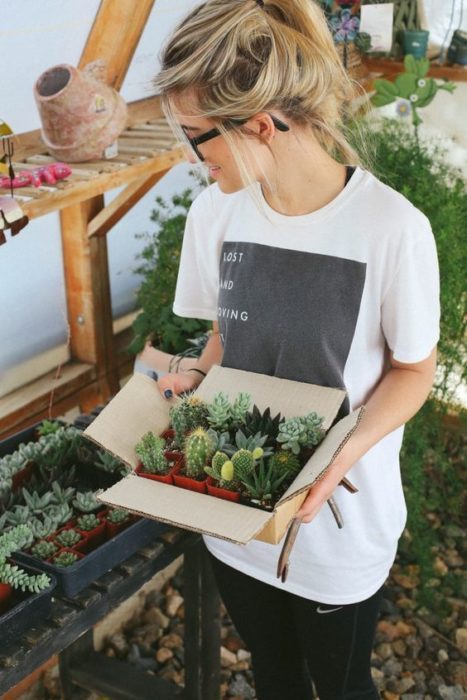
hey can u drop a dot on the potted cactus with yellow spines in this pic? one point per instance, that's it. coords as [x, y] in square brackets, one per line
[156, 462]
[197, 450]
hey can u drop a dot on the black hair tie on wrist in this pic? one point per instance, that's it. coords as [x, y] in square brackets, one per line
[195, 369]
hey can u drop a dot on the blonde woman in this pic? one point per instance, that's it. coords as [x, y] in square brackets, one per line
[313, 270]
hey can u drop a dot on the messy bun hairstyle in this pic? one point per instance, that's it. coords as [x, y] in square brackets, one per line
[241, 57]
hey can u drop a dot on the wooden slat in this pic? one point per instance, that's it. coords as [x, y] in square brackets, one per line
[113, 212]
[102, 183]
[114, 36]
[33, 399]
[390, 67]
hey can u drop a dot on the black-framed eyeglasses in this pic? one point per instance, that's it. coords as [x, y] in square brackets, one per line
[230, 124]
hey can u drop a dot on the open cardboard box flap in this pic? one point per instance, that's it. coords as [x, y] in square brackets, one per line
[139, 407]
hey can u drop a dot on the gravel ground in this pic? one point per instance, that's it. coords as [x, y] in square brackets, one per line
[420, 653]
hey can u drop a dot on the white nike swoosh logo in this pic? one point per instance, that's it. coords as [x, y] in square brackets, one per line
[329, 610]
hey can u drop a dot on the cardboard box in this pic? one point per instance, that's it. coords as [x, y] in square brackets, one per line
[139, 407]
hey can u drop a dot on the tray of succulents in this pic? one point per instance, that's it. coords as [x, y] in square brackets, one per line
[50, 477]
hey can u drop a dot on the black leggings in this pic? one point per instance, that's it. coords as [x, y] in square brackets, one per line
[290, 637]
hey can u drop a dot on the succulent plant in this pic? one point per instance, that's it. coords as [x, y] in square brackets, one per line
[14, 539]
[44, 549]
[188, 413]
[60, 514]
[244, 463]
[19, 515]
[65, 559]
[117, 516]
[250, 442]
[108, 463]
[240, 408]
[68, 538]
[262, 484]
[286, 461]
[61, 495]
[198, 449]
[219, 439]
[86, 501]
[35, 502]
[150, 450]
[257, 422]
[219, 415]
[297, 433]
[42, 528]
[48, 426]
[222, 470]
[87, 522]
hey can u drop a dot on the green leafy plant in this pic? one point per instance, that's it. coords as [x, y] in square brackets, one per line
[150, 450]
[263, 483]
[263, 423]
[300, 432]
[188, 413]
[11, 541]
[43, 528]
[224, 415]
[60, 513]
[108, 463]
[48, 426]
[160, 260]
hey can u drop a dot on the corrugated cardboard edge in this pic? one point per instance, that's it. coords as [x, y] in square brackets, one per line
[192, 511]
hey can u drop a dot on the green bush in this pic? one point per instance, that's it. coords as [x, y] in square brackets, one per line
[430, 459]
[160, 260]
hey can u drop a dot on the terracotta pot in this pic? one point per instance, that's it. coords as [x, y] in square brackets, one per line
[81, 115]
[81, 546]
[176, 457]
[186, 482]
[80, 555]
[6, 591]
[94, 537]
[219, 492]
[112, 529]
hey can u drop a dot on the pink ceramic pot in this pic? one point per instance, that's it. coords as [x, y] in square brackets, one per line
[81, 115]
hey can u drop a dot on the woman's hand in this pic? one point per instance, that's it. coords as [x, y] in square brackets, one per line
[325, 487]
[176, 383]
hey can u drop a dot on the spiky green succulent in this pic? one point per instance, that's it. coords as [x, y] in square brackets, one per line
[60, 513]
[262, 423]
[243, 462]
[224, 415]
[36, 503]
[61, 495]
[198, 449]
[222, 470]
[240, 408]
[250, 442]
[42, 528]
[151, 451]
[19, 515]
[48, 426]
[262, 485]
[109, 463]
[187, 414]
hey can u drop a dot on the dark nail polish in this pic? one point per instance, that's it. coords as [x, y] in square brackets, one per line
[168, 393]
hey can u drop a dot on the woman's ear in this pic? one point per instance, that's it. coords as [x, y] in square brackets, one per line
[263, 125]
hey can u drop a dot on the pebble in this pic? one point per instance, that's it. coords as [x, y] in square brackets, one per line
[228, 658]
[172, 605]
[452, 692]
[240, 688]
[164, 654]
[171, 641]
[155, 616]
[461, 638]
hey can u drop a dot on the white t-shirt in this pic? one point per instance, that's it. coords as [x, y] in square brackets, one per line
[320, 298]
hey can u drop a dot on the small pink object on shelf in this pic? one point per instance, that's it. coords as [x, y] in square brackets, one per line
[46, 174]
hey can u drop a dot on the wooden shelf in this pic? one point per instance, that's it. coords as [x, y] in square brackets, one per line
[145, 149]
[389, 67]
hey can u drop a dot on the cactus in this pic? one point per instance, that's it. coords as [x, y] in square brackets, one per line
[86, 501]
[297, 433]
[44, 549]
[10, 541]
[68, 538]
[150, 450]
[243, 462]
[222, 470]
[87, 522]
[189, 413]
[65, 559]
[117, 516]
[198, 449]
[286, 461]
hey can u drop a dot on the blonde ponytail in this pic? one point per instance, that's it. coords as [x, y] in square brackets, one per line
[240, 58]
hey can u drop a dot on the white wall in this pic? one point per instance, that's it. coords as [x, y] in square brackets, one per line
[33, 37]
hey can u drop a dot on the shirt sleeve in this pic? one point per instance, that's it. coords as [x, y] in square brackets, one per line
[198, 274]
[410, 310]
